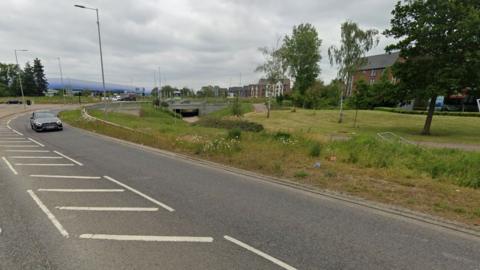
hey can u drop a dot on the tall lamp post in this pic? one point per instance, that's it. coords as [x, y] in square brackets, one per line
[20, 78]
[101, 54]
[61, 79]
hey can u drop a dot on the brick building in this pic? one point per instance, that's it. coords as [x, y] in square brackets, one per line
[374, 68]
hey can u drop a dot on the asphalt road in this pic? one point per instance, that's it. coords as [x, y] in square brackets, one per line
[79, 201]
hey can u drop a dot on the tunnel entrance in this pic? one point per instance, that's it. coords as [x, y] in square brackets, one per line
[188, 112]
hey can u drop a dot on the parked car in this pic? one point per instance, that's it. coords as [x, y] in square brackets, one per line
[13, 101]
[43, 120]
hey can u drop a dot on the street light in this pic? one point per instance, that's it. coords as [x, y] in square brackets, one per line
[20, 77]
[61, 79]
[101, 54]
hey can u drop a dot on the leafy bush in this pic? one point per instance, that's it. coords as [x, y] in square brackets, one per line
[301, 174]
[230, 124]
[234, 133]
[315, 150]
[279, 135]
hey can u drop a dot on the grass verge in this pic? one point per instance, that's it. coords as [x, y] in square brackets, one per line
[438, 182]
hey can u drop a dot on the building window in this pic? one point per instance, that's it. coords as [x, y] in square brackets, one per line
[373, 73]
[372, 81]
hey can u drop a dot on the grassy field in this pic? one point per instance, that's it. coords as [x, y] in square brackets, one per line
[439, 182]
[322, 125]
[54, 99]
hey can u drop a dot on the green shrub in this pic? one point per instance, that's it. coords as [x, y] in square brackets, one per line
[301, 174]
[315, 150]
[280, 135]
[234, 133]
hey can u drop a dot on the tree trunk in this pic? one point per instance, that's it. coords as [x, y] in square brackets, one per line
[428, 121]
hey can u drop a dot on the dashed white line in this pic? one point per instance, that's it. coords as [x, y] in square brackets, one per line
[49, 214]
[27, 151]
[32, 140]
[34, 157]
[45, 164]
[140, 193]
[19, 133]
[65, 176]
[71, 159]
[9, 166]
[78, 190]
[110, 209]
[259, 253]
[147, 238]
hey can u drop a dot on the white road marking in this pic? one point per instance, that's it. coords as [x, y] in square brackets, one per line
[112, 209]
[141, 194]
[32, 140]
[12, 138]
[49, 214]
[259, 253]
[28, 151]
[45, 164]
[65, 176]
[78, 190]
[71, 159]
[15, 141]
[19, 146]
[148, 238]
[34, 157]
[19, 133]
[9, 166]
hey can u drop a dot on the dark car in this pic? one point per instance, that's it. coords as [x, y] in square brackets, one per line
[13, 101]
[41, 121]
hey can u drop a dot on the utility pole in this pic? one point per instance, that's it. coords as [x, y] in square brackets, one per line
[61, 80]
[20, 78]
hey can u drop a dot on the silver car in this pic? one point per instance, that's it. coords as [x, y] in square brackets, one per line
[42, 120]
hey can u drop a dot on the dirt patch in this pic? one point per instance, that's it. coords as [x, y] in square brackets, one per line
[259, 107]
[191, 119]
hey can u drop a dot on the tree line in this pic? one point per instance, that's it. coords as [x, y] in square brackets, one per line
[32, 78]
[439, 48]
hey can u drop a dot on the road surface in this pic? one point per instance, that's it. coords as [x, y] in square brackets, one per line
[73, 200]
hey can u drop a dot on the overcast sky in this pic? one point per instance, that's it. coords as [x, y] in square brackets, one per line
[194, 42]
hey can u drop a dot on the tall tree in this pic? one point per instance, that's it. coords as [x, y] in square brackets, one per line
[301, 54]
[355, 43]
[39, 77]
[439, 43]
[273, 69]
[28, 81]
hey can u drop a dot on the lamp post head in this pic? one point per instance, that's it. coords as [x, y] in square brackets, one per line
[79, 6]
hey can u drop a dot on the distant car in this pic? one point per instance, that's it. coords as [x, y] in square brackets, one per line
[13, 101]
[41, 121]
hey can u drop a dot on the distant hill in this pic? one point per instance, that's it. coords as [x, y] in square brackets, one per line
[80, 85]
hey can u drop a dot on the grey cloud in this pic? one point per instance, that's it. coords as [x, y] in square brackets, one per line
[194, 42]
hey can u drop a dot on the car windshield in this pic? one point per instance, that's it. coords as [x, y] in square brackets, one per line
[44, 115]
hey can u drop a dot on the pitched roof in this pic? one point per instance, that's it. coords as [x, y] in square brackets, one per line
[380, 61]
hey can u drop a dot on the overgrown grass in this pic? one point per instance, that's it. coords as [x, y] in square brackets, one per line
[432, 181]
[457, 167]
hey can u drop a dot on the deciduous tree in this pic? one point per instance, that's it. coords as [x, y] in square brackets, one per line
[301, 54]
[355, 43]
[439, 43]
